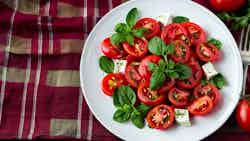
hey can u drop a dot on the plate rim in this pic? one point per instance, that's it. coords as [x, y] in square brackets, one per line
[210, 13]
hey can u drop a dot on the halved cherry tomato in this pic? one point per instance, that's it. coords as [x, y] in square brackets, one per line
[152, 25]
[194, 79]
[111, 50]
[209, 90]
[182, 52]
[178, 97]
[173, 32]
[243, 114]
[143, 68]
[195, 33]
[112, 81]
[139, 49]
[207, 52]
[148, 96]
[201, 106]
[167, 85]
[132, 75]
[160, 117]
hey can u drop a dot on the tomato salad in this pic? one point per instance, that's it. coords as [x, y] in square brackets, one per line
[161, 71]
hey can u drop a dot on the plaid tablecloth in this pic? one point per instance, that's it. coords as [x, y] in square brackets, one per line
[40, 48]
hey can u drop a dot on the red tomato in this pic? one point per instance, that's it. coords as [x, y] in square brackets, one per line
[182, 52]
[243, 114]
[143, 68]
[160, 117]
[201, 106]
[149, 97]
[112, 81]
[152, 25]
[111, 50]
[196, 34]
[227, 5]
[172, 32]
[139, 49]
[194, 79]
[132, 75]
[209, 90]
[167, 85]
[178, 97]
[207, 52]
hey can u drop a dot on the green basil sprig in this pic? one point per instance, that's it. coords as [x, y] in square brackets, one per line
[106, 64]
[180, 19]
[125, 31]
[218, 80]
[124, 99]
[215, 42]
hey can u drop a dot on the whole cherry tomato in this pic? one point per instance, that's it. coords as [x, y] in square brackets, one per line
[243, 114]
[227, 5]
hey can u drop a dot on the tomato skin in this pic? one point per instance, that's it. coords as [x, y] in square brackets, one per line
[194, 79]
[207, 52]
[139, 49]
[111, 50]
[152, 25]
[194, 108]
[182, 52]
[209, 90]
[165, 110]
[143, 67]
[178, 97]
[167, 85]
[132, 75]
[242, 114]
[112, 81]
[173, 32]
[227, 5]
[144, 94]
[195, 30]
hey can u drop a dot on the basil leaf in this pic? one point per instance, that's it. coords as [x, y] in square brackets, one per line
[139, 32]
[130, 39]
[118, 38]
[116, 101]
[126, 95]
[171, 64]
[143, 109]
[155, 46]
[152, 66]
[121, 115]
[173, 74]
[204, 81]
[218, 80]
[180, 19]
[132, 17]
[184, 71]
[137, 119]
[122, 28]
[157, 79]
[215, 42]
[168, 49]
[106, 64]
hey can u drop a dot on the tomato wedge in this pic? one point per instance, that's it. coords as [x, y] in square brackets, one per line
[143, 68]
[207, 52]
[209, 90]
[132, 75]
[182, 52]
[173, 32]
[111, 50]
[194, 79]
[112, 81]
[178, 97]
[160, 117]
[195, 33]
[139, 49]
[201, 106]
[152, 25]
[149, 97]
[167, 85]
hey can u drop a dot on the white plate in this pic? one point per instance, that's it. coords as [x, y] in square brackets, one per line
[102, 106]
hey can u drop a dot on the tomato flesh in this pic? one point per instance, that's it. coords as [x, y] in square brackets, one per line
[161, 117]
[139, 48]
[182, 52]
[207, 52]
[173, 32]
[201, 106]
[209, 90]
[178, 97]
[153, 27]
[132, 75]
[111, 50]
[167, 85]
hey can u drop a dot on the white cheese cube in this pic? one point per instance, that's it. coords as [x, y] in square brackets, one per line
[165, 18]
[182, 117]
[209, 70]
[120, 65]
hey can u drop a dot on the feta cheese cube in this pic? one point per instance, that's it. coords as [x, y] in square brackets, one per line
[120, 65]
[182, 117]
[165, 18]
[209, 70]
